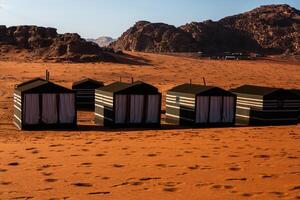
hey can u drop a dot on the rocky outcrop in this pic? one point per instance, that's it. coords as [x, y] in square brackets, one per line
[42, 43]
[155, 37]
[273, 29]
[276, 28]
[213, 37]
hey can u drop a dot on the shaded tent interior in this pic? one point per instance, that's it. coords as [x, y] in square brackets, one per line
[40, 104]
[85, 93]
[257, 105]
[200, 105]
[128, 105]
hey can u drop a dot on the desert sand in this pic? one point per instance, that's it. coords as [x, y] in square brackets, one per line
[171, 163]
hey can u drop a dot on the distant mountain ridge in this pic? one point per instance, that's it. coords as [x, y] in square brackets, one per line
[103, 41]
[271, 29]
[40, 43]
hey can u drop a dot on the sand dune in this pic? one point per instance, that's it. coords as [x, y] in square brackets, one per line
[172, 163]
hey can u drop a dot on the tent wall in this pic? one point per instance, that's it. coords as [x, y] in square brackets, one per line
[17, 118]
[258, 111]
[85, 98]
[245, 104]
[205, 110]
[127, 109]
[104, 106]
[44, 111]
[180, 109]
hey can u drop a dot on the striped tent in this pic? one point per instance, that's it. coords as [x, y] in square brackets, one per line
[124, 105]
[199, 105]
[258, 105]
[85, 92]
[40, 104]
[297, 92]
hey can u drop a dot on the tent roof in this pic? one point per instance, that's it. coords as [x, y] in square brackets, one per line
[195, 89]
[39, 85]
[87, 82]
[135, 87]
[190, 88]
[255, 90]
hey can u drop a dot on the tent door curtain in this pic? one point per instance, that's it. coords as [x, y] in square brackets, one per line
[31, 109]
[49, 109]
[67, 108]
[228, 109]
[202, 106]
[215, 113]
[136, 109]
[153, 109]
[120, 109]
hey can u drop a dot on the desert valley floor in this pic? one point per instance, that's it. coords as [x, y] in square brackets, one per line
[171, 163]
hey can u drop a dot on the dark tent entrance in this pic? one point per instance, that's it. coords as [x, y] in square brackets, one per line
[137, 109]
[215, 109]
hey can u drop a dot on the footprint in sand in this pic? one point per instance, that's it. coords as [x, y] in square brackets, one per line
[82, 184]
[236, 179]
[118, 165]
[51, 180]
[13, 164]
[5, 183]
[99, 193]
[295, 188]
[3, 170]
[194, 167]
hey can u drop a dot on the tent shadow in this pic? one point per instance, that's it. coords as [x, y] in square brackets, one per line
[164, 127]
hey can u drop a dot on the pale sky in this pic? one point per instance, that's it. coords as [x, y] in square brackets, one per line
[94, 18]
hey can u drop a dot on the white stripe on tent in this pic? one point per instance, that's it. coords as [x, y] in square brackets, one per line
[178, 117]
[250, 102]
[17, 102]
[101, 95]
[17, 95]
[245, 98]
[187, 98]
[17, 118]
[100, 101]
[244, 108]
[185, 104]
[101, 106]
[105, 99]
[17, 108]
[103, 117]
[17, 125]
[176, 107]
[247, 104]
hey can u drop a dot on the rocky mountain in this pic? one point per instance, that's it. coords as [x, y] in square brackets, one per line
[276, 28]
[214, 37]
[102, 41]
[155, 37]
[273, 29]
[40, 43]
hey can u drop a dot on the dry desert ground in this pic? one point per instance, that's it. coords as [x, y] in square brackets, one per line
[171, 163]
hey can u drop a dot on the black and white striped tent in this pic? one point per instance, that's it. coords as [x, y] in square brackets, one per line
[85, 92]
[123, 104]
[40, 104]
[258, 105]
[297, 92]
[199, 105]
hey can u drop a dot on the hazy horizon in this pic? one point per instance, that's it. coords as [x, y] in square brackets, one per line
[95, 18]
